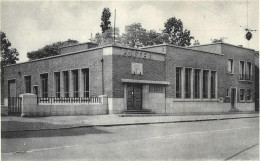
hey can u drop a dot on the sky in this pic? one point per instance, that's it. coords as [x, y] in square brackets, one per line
[30, 25]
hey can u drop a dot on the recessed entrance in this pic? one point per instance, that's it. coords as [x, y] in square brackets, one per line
[134, 97]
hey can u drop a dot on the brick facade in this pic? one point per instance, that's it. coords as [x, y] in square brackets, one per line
[110, 65]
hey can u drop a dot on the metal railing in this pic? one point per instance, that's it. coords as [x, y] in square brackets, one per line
[68, 100]
[245, 77]
[14, 105]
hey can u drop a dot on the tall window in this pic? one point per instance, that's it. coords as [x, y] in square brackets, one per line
[248, 70]
[205, 83]
[242, 95]
[27, 80]
[66, 83]
[248, 94]
[230, 66]
[242, 70]
[178, 82]
[187, 83]
[213, 85]
[85, 73]
[197, 83]
[57, 84]
[44, 85]
[75, 80]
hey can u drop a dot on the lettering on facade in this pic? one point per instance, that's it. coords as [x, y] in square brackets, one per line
[137, 68]
[137, 54]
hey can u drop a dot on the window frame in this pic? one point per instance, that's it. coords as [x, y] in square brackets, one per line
[242, 100]
[44, 93]
[25, 84]
[86, 93]
[66, 83]
[57, 93]
[232, 67]
[178, 93]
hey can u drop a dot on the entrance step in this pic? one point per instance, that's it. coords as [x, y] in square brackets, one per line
[143, 111]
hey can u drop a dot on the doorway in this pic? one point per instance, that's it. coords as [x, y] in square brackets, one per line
[11, 88]
[134, 96]
[233, 98]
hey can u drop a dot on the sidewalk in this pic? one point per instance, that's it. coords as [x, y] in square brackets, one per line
[14, 123]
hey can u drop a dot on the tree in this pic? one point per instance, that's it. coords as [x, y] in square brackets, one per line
[105, 23]
[50, 50]
[135, 35]
[177, 36]
[107, 37]
[8, 55]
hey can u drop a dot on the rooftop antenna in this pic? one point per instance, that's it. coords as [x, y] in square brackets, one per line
[115, 28]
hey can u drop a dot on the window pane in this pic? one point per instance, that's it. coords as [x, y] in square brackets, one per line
[44, 84]
[242, 94]
[178, 82]
[66, 83]
[27, 80]
[205, 83]
[57, 84]
[197, 83]
[187, 83]
[85, 73]
[213, 85]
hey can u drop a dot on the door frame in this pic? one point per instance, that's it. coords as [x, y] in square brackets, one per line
[126, 96]
[235, 102]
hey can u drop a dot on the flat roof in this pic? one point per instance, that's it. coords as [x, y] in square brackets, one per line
[220, 44]
[166, 44]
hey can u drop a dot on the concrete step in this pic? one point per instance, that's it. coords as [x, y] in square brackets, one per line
[143, 111]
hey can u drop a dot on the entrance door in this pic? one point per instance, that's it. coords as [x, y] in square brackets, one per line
[134, 97]
[233, 97]
[11, 88]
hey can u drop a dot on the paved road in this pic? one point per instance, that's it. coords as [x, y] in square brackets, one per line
[218, 140]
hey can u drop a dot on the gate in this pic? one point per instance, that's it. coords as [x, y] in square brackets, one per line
[14, 105]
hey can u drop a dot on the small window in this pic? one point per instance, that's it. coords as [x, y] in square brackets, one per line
[242, 95]
[155, 88]
[248, 95]
[248, 71]
[27, 80]
[230, 66]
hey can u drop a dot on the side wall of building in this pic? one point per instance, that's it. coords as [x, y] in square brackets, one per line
[89, 59]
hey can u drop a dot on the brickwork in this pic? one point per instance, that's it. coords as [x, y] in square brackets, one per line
[90, 59]
[152, 70]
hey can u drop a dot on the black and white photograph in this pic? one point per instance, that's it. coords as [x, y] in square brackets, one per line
[129, 80]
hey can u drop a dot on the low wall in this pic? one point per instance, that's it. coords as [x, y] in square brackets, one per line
[31, 108]
[173, 106]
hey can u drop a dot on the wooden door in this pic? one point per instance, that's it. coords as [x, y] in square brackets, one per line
[134, 97]
[130, 97]
[138, 97]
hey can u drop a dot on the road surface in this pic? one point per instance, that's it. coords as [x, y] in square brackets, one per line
[218, 140]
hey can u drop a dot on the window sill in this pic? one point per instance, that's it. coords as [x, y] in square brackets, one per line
[231, 73]
[194, 100]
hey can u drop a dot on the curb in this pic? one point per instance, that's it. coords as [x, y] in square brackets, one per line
[129, 124]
